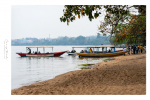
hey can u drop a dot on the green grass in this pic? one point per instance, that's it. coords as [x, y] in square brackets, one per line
[86, 66]
[108, 59]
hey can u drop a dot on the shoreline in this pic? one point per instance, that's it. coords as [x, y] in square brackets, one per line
[126, 75]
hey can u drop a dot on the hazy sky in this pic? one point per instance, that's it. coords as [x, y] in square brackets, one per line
[40, 21]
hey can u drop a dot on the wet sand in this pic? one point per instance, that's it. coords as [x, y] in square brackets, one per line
[126, 75]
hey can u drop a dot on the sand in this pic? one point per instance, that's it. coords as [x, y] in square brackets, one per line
[126, 75]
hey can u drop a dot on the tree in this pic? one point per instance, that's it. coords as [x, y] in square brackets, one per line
[71, 11]
[92, 11]
[118, 21]
[133, 32]
[80, 40]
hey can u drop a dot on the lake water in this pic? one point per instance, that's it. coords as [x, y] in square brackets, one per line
[28, 70]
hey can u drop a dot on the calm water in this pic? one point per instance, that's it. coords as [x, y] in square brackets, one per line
[28, 70]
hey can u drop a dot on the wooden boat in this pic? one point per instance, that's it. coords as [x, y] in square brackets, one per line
[70, 53]
[103, 53]
[52, 54]
[73, 52]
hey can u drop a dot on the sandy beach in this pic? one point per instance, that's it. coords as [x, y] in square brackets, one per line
[126, 75]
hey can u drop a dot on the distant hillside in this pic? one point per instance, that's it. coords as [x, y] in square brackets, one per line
[80, 40]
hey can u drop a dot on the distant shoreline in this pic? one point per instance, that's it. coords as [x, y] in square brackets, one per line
[48, 45]
[53, 45]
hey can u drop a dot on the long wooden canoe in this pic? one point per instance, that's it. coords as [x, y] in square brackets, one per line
[101, 54]
[54, 54]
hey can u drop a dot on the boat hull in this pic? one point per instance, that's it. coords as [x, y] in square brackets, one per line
[69, 53]
[55, 54]
[101, 54]
[46, 55]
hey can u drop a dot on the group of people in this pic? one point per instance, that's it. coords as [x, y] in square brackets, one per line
[135, 49]
[90, 51]
[85, 51]
[73, 51]
[33, 51]
[36, 52]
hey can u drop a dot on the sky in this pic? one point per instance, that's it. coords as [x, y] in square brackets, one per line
[42, 21]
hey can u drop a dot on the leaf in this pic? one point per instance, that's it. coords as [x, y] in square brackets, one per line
[95, 17]
[81, 11]
[79, 16]
[104, 34]
[61, 19]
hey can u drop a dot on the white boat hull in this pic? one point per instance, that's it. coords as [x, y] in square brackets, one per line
[49, 55]
[69, 53]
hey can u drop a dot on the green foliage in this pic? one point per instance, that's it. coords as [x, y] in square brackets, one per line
[134, 32]
[111, 40]
[117, 18]
[71, 11]
[92, 11]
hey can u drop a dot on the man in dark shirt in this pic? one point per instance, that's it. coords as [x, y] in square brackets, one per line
[129, 50]
[29, 51]
[134, 48]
